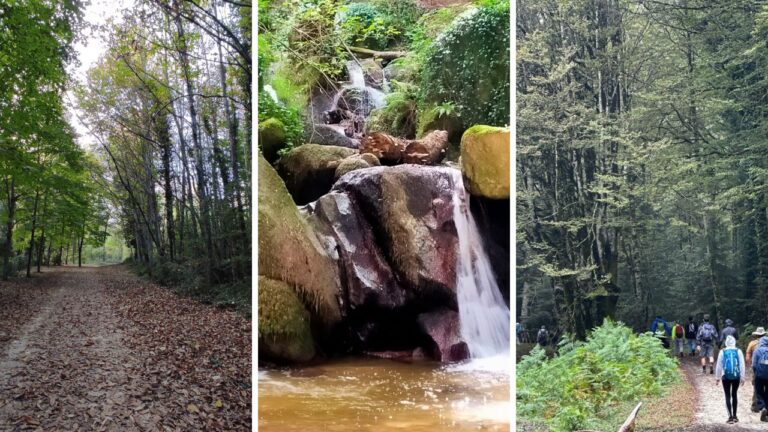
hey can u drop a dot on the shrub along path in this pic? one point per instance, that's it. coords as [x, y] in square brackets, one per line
[711, 414]
[100, 349]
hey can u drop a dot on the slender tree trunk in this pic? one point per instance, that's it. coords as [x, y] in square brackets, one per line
[11, 200]
[32, 238]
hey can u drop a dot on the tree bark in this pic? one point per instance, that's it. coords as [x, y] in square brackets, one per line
[386, 55]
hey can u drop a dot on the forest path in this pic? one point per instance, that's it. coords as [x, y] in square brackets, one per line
[711, 413]
[94, 355]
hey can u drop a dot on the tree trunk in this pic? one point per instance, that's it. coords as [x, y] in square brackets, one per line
[11, 200]
[32, 238]
[425, 151]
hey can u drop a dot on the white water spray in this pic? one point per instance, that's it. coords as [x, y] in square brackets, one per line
[271, 92]
[483, 315]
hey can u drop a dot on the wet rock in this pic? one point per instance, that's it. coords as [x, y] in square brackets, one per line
[284, 331]
[359, 101]
[309, 170]
[271, 138]
[368, 279]
[492, 217]
[485, 161]
[373, 73]
[442, 326]
[411, 212]
[291, 252]
[329, 135]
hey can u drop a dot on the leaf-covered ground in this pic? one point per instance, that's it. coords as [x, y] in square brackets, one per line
[100, 349]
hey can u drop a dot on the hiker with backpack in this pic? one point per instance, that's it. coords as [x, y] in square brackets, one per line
[760, 367]
[542, 337]
[678, 338]
[730, 371]
[691, 328]
[661, 330]
[729, 330]
[757, 406]
[705, 340]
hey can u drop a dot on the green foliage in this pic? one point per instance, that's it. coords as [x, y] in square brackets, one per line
[316, 49]
[290, 118]
[398, 116]
[364, 25]
[580, 385]
[468, 66]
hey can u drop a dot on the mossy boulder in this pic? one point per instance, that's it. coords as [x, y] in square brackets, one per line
[356, 162]
[468, 66]
[309, 170]
[272, 138]
[285, 335]
[291, 252]
[485, 161]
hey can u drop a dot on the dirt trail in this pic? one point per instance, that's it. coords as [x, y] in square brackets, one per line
[73, 366]
[711, 413]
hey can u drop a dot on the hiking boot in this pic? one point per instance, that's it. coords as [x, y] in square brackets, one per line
[711, 370]
[703, 369]
[735, 419]
[764, 415]
[730, 420]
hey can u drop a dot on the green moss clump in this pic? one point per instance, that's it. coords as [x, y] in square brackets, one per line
[477, 130]
[467, 67]
[271, 138]
[284, 323]
[485, 161]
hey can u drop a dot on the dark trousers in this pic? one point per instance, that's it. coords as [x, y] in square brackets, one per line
[761, 391]
[731, 389]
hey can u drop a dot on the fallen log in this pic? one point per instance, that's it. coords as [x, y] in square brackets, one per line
[386, 55]
[428, 150]
[629, 423]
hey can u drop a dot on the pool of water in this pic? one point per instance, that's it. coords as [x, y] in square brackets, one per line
[383, 395]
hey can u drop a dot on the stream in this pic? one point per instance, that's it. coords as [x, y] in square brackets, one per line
[377, 395]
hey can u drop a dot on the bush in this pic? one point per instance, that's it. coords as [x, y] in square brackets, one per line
[398, 116]
[468, 67]
[573, 390]
[289, 117]
[379, 24]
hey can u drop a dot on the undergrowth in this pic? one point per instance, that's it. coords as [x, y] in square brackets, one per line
[584, 384]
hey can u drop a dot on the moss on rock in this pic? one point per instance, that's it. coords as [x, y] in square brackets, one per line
[284, 324]
[290, 251]
[309, 170]
[485, 161]
[272, 138]
[356, 162]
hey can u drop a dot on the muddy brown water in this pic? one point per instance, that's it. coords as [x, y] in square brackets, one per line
[383, 395]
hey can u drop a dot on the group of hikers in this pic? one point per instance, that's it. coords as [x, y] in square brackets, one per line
[731, 366]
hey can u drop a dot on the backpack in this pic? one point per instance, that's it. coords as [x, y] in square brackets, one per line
[731, 364]
[660, 327]
[707, 332]
[679, 332]
[761, 365]
[691, 328]
[542, 337]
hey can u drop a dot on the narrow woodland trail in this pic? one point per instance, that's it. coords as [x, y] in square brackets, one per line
[100, 349]
[711, 414]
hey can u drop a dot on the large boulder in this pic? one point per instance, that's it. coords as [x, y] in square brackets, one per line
[284, 329]
[272, 138]
[329, 135]
[410, 209]
[309, 170]
[485, 161]
[373, 73]
[443, 328]
[289, 250]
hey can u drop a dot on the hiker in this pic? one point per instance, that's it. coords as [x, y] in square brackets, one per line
[756, 335]
[731, 370]
[690, 335]
[705, 340]
[519, 331]
[729, 330]
[542, 337]
[678, 338]
[760, 367]
[661, 330]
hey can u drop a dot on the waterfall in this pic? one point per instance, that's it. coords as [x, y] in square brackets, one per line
[483, 315]
[271, 92]
[355, 71]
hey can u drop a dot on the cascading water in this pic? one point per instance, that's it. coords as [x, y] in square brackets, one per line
[357, 81]
[271, 92]
[483, 315]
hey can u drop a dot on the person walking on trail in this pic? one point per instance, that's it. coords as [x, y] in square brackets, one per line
[705, 340]
[661, 330]
[678, 338]
[729, 330]
[690, 335]
[760, 367]
[756, 335]
[730, 371]
[519, 331]
[542, 337]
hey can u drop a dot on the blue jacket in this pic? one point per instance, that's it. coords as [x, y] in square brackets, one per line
[655, 323]
[761, 353]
